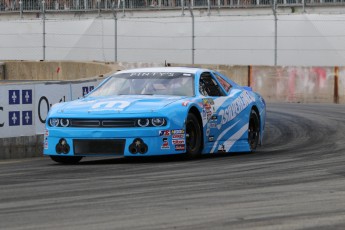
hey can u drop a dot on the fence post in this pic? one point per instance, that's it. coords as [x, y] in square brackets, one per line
[274, 9]
[250, 75]
[99, 8]
[208, 7]
[123, 7]
[303, 3]
[336, 89]
[193, 33]
[44, 29]
[182, 4]
[115, 31]
[21, 8]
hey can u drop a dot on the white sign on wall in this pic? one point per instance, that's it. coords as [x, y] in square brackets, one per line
[16, 110]
[24, 107]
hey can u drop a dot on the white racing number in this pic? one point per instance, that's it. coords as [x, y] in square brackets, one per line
[111, 105]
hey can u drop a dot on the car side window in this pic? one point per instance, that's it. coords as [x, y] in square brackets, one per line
[226, 85]
[208, 86]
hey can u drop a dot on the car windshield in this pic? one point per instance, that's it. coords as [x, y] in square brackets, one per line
[147, 83]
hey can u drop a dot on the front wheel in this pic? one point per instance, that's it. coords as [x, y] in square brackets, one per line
[253, 130]
[65, 159]
[193, 136]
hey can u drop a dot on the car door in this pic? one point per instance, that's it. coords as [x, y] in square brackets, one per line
[232, 115]
[214, 95]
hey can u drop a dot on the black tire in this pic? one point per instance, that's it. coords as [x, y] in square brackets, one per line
[253, 130]
[193, 136]
[66, 159]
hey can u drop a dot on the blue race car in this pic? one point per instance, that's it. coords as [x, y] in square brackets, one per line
[157, 111]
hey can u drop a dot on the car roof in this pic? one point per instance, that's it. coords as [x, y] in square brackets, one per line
[191, 70]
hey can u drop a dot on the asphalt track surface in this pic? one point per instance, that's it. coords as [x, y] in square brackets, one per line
[295, 181]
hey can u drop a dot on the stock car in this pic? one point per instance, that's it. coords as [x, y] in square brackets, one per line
[157, 111]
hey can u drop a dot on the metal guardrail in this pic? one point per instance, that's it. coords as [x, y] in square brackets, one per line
[90, 5]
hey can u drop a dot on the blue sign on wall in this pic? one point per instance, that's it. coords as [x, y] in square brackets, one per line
[85, 90]
[14, 118]
[27, 96]
[14, 97]
[26, 117]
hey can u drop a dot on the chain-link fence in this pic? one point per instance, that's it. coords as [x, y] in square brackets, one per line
[295, 39]
[92, 5]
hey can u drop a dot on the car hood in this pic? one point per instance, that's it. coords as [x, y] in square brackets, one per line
[118, 104]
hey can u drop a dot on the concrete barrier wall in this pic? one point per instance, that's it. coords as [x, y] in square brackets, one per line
[21, 147]
[54, 70]
[341, 85]
[275, 84]
[295, 84]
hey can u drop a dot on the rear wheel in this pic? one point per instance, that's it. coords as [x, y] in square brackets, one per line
[253, 130]
[193, 136]
[65, 159]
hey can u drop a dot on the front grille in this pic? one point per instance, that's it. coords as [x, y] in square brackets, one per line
[118, 123]
[99, 147]
[85, 123]
[106, 123]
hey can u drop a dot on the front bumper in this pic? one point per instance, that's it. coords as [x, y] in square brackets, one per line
[151, 141]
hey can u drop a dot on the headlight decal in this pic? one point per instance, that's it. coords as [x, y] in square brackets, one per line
[158, 121]
[144, 122]
[64, 122]
[54, 122]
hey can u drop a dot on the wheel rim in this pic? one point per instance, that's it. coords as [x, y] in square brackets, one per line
[191, 136]
[253, 131]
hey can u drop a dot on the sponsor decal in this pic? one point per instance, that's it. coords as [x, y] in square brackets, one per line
[164, 132]
[177, 131]
[235, 108]
[180, 147]
[208, 108]
[221, 148]
[208, 101]
[46, 133]
[152, 74]
[185, 103]
[165, 144]
[208, 132]
[204, 114]
[178, 142]
[211, 138]
[212, 125]
[209, 114]
[178, 136]
[214, 118]
[46, 144]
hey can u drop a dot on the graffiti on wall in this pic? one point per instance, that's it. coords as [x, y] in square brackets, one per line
[294, 84]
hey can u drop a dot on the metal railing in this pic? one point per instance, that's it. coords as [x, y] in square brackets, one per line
[89, 5]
